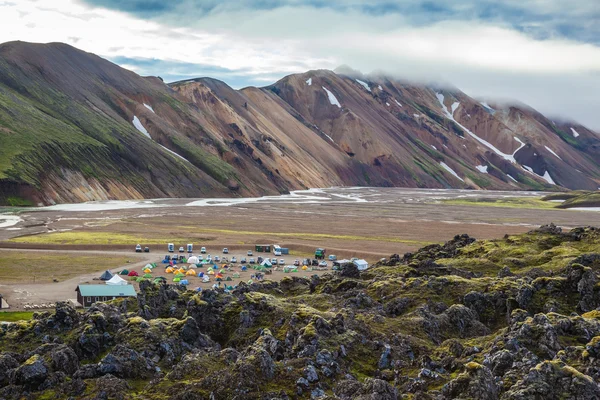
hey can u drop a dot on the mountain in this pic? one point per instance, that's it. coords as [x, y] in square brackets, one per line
[513, 318]
[75, 127]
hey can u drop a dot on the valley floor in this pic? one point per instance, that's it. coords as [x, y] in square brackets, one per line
[369, 223]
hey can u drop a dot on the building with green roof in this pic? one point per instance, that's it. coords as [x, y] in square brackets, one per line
[89, 294]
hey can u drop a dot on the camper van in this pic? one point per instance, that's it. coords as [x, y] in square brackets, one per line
[276, 250]
[190, 248]
[171, 247]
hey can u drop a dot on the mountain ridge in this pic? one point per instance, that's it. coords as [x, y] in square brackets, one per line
[107, 133]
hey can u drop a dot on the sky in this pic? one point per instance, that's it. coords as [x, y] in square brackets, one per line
[545, 53]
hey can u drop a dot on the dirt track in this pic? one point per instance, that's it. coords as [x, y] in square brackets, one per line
[367, 222]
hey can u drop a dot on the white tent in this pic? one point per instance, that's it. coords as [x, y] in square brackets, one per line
[267, 264]
[193, 260]
[116, 280]
[206, 278]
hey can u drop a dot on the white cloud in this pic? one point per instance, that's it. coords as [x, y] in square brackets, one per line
[483, 59]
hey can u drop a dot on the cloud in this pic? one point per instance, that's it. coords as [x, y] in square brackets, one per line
[523, 50]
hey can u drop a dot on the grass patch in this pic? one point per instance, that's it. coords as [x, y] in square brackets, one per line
[107, 238]
[12, 316]
[510, 202]
[43, 268]
[82, 237]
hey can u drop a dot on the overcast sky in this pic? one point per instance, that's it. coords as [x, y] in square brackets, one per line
[545, 53]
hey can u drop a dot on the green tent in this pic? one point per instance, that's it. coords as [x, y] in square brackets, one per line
[180, 275]
[139, 279]
[228, 279]
[124, 272]
[147, 276]
[176, 279]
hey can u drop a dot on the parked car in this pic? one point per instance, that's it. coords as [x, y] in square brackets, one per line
[138, 248]
[296, 262]
[233, 259]
[146, 249]
[249, 253]
[225, 250]
[252, 261]
[243, 260]
[203, 250]
[332, 257]
[281, 261]
[217, 258]
[181, 249]
[323, 263]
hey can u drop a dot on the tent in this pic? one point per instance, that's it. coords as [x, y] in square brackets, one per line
[184, 282]
[193, 260]
[147, 276]
[211, 272]
[106, 275]
[149, 266]
[206, 279]
[116, 281]
[139, 279]
[148, 271]
[219, 279]
[133, 273]
[266, 264]
[236, 275]
[201, 275]
[228, 279]
[244, 268]
[169, 270]
[160, 279]
[179, 275]
[176, 279]
[191, 272]
[124, 272]
[304, 268]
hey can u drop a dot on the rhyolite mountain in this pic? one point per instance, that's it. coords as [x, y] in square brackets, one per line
[75, 127]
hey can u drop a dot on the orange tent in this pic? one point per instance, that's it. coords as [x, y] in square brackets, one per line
[169, 270]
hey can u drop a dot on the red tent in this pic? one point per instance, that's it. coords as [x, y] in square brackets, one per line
[133, 273]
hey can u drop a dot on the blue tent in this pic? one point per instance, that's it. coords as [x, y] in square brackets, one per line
[201, 274]
[184, 282]
[244, 268]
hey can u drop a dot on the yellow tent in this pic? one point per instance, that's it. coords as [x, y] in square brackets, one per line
[304, 268]
[191, 272]
[181, 271]
[147, 271]
[169, 270]
[211, 272]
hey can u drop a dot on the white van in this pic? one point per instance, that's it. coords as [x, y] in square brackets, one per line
[277, 250]
[171, 247]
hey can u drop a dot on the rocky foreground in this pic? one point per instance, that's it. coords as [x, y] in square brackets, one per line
[516, 318]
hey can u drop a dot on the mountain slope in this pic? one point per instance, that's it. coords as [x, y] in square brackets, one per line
[75, 127]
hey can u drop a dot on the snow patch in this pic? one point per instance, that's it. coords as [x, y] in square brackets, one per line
[332, 99]
[482, 168]
[309, 81]
[454, 107]
[416, 115]
[172, 152]
[548, 178]
[379, 87]
[398, 102]
[435, 148]
[447, 168]
[550, 150]
[512, 178]
[528, 169]
[508, 157]
[138, 125]
[328, 137]
[363, 84]
[149, 107]
[387, 104]
[575, 133]
[487, 106]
